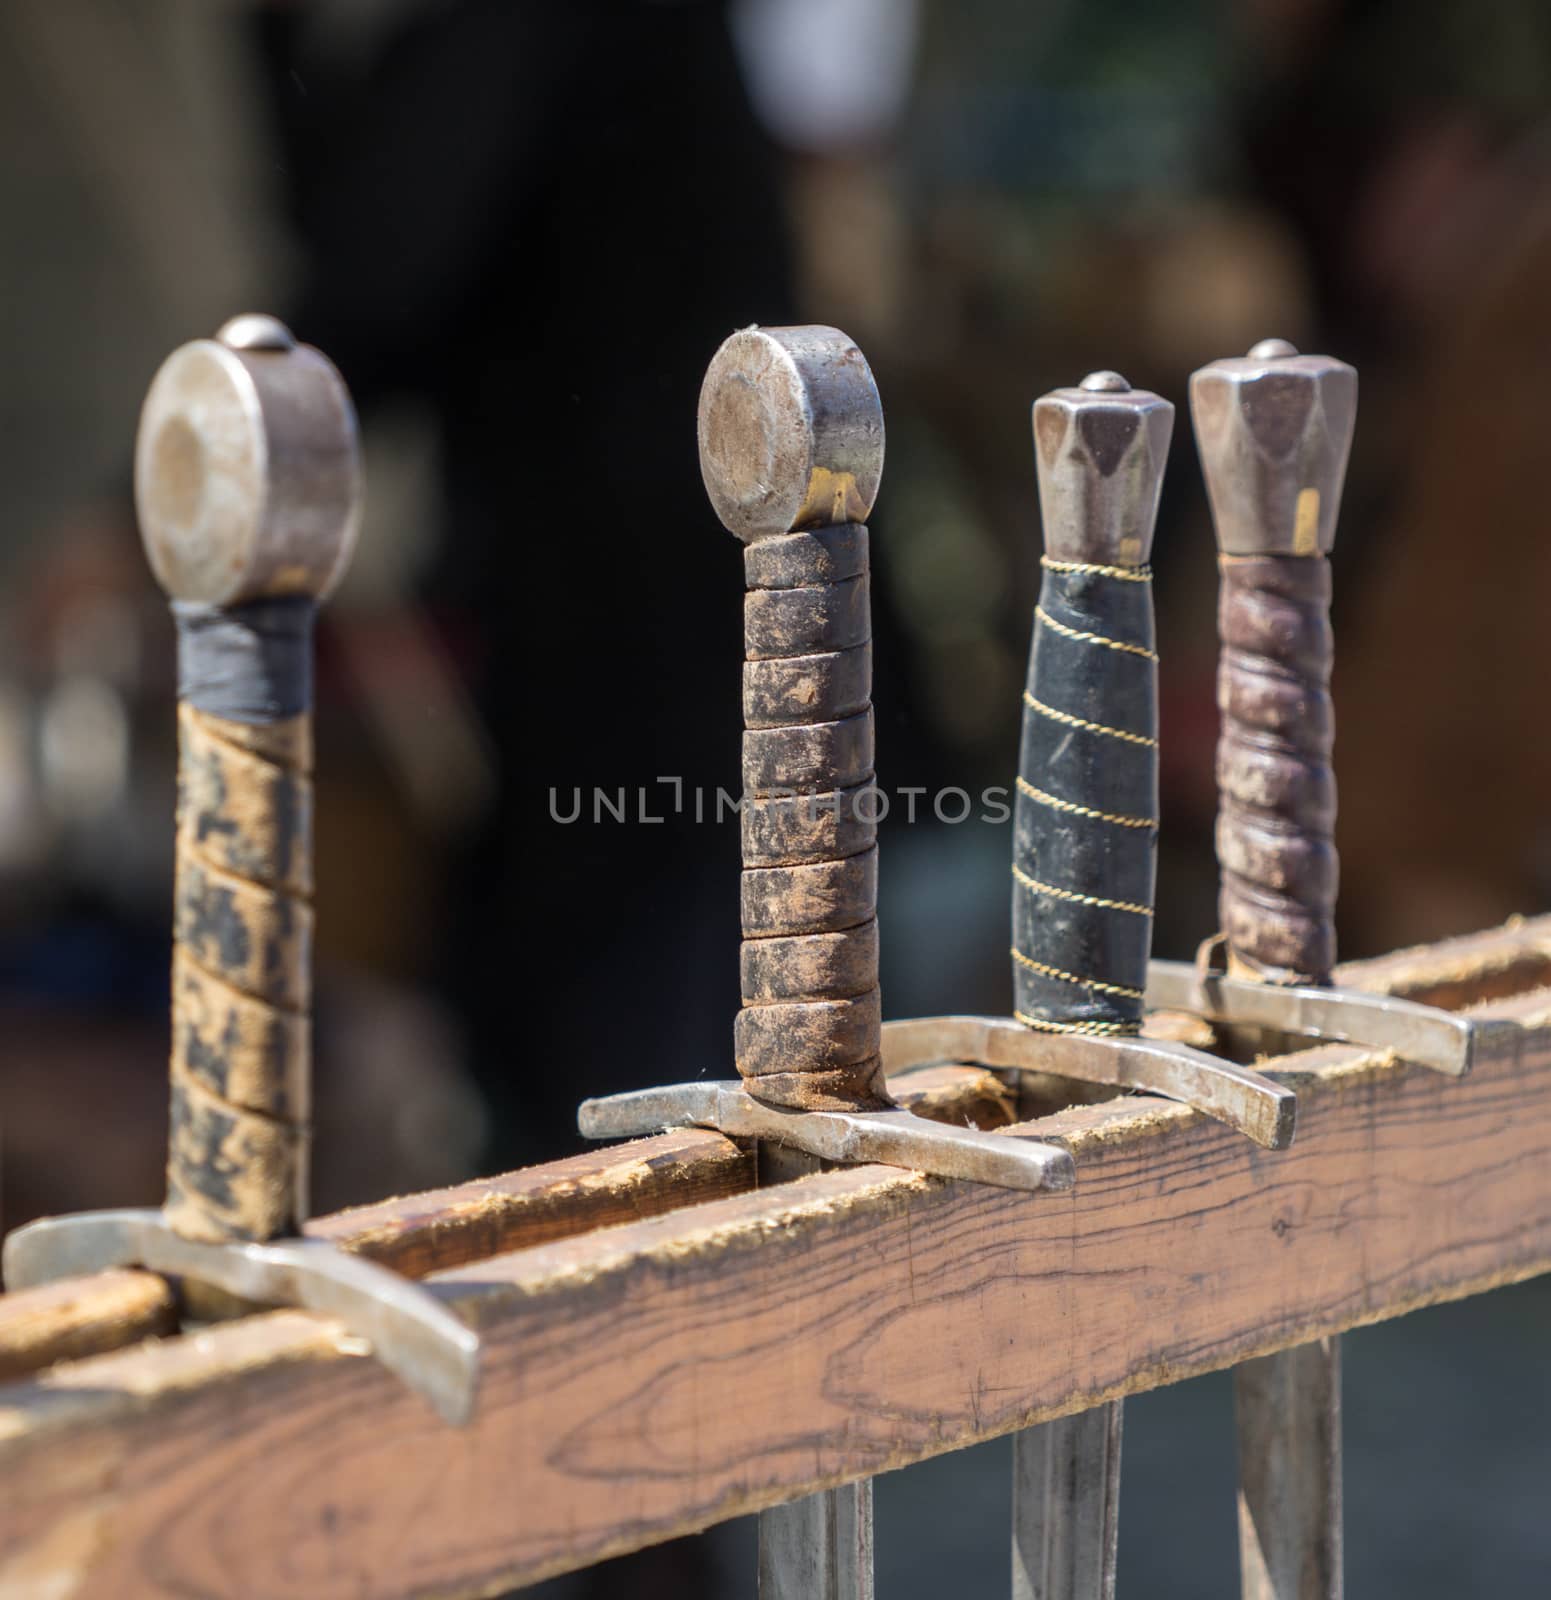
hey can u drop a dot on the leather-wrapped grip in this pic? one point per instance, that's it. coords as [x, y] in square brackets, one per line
[241, 981]
[808, 1033]
[1276, 822]
[1085, 821]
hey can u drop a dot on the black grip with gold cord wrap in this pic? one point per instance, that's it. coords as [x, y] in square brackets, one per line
[1086, 814]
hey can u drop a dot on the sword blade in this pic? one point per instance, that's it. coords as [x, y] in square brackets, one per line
[1066, 1506]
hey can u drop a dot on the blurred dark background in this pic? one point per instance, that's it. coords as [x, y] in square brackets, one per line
[521, 229]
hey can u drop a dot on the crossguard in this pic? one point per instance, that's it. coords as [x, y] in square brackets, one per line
[411, 1332]
[1422, 1035]
[892, 1138]
[1246, 1100]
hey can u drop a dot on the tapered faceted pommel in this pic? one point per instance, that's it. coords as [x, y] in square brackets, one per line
[1274, 429]
[791, 431]
[1100, 450]
[247, 469]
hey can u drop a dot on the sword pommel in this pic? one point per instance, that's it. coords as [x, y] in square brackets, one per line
[247, 470]
[791, 431]
[1100, 450]
[1274, 429]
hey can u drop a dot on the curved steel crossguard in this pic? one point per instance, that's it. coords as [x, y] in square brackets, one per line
[1421, 1034]
[1238, 1096]
[894, 1138]
[411, 1332]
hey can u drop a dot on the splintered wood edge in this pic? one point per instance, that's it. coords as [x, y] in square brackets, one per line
[81, 1317]
[1182, 1249]
[1456, 973]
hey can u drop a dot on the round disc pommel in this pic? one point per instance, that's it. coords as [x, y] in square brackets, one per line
[247, 468]
[1100, 450]
[791, 431]
[1274, 430]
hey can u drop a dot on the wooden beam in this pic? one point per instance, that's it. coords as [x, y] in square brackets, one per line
[447, 1227]
[658, 1376]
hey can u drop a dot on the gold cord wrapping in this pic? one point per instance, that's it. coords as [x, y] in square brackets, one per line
[1103, 1030]
[1071, 721]
[1074, 978]
[1094, 638]
[1027, 788]
[1036, 887]
[1093, 570]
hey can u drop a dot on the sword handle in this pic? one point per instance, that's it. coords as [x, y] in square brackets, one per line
[791, 450]
[1274, 430]
[1085, 825]
[247, 484]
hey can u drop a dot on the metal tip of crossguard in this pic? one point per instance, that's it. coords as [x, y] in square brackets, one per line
[791, 431]
[1274, 429]
[247, 469]
[1100, 450]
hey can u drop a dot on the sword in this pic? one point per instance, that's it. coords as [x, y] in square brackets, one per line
[1085, 838]
[791, 450]
[1274, 430]
[248, 488]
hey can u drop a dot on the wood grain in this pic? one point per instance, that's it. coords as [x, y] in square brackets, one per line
[655, 1377]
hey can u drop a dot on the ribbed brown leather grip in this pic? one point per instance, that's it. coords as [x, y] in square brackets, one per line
[808, 1033]
[1276, 823]
[242, 929]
